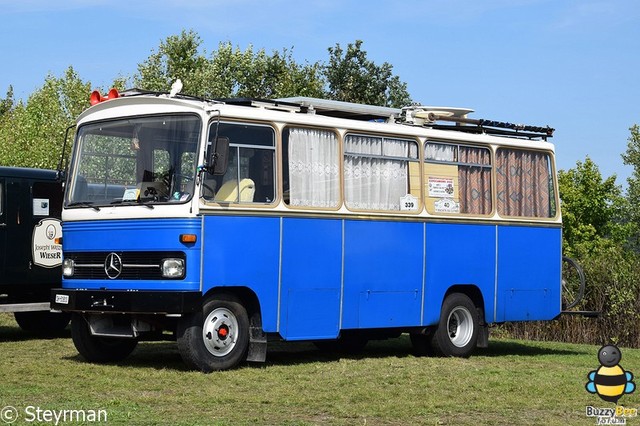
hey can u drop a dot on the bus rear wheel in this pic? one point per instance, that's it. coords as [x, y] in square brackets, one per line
[457, 332]
[99, 349]
[217, 338]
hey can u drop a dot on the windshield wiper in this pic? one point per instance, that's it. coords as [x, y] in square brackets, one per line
[133, 202]
[84, 203]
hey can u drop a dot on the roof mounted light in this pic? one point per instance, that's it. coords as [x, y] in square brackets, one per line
[96, 97]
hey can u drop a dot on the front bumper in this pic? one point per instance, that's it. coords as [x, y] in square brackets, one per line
[129, 302]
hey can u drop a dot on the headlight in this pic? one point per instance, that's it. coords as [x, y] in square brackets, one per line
[173, 268]
[68, 267]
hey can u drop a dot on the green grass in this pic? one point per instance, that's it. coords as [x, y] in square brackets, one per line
[512, 382]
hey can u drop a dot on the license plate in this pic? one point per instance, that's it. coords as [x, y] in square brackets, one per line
[63, 299]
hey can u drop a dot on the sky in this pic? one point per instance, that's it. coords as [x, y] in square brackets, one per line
[572, 65]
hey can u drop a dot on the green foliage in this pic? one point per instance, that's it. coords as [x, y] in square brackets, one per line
[592, 209]
[232, 72]
[32, 133]
[354, 78]
[229, 72]
[6, 104]
[632, 158]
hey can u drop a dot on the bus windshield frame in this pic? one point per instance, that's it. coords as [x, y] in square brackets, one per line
[136, 160]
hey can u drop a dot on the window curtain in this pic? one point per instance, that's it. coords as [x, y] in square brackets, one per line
[523, 180]
[313, 168]
[440, 152]
[474, 181]
[376, 183]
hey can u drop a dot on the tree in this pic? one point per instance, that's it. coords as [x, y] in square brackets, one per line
[178, 56]
[591, 208]
[231, 72]
[354, 78]
[228, 72]
[6, 104]
[632, 158]
[32, 133]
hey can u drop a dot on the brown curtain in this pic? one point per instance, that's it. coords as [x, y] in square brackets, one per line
[474, 181]
[523, 181]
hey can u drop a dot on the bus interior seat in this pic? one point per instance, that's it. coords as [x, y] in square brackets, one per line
[228, 192]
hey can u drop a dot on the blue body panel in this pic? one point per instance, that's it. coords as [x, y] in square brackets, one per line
[459, 254]
[316, 276]
[311, 278]
[382, 274]
[135, 235]
[529, 273]
[244, 252]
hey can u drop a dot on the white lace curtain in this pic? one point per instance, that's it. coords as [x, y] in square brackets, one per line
[372, 182]
[313, 168]
[439, 152]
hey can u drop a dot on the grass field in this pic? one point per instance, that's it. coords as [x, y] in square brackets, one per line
[512, 382]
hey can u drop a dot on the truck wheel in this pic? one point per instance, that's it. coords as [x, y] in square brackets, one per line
[99, 349]
[217, 338]
[457, 332]
[42, 323]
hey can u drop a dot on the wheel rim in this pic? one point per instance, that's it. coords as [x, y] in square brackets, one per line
[220, 332]
[460, 326]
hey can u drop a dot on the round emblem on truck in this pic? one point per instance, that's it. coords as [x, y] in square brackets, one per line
[113, 266]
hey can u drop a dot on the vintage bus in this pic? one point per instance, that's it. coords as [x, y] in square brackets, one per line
[225, 224]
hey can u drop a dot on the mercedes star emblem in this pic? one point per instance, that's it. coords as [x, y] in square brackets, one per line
[113, 266]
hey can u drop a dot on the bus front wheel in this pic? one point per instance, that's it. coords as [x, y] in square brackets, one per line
[216, 338]
[457, 332]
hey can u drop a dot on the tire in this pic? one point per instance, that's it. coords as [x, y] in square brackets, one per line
[217, 338]
[42, 323]
[99, 349]
[457, 332]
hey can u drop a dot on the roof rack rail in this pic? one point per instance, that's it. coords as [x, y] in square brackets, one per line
[275, 104]
[429, 116]
[340, 109]
[141, 92]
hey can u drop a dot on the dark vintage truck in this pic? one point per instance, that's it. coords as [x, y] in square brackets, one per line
[30, 246]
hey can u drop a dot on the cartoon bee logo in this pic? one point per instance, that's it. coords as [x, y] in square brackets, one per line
[610, 381]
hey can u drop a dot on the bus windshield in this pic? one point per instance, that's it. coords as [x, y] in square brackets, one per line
[145, 160]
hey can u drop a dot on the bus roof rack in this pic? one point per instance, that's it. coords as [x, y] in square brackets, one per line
[340, 109]
[429, 116]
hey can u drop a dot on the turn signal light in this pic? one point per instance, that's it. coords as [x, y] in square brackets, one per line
[188, 238]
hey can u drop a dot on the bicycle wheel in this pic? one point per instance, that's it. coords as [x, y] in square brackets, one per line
[573, 282]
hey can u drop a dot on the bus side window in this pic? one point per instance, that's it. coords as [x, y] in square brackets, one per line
[525, 183]
[250, 174]
[377, 173]
[311, 171]
[457, 179]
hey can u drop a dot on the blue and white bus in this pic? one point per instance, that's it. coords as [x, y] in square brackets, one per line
[226, 224]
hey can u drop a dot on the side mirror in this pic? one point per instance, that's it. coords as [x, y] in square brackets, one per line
[218, 157]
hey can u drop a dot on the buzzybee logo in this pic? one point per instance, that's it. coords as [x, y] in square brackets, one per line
[610, 381]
